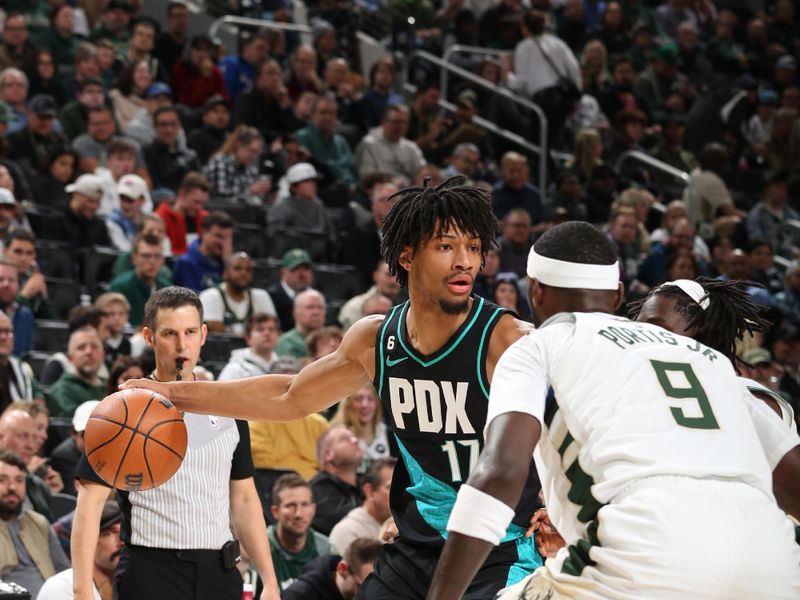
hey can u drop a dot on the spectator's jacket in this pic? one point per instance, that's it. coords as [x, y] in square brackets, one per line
[70, 391]
[79, 232]
[288, 446]
[33, 531]
[246, 363]
[197, 271]
[137, 292]
[288, 566]
[192, 88]
[24, 323]
[238, 75]
[176, 226]
[334, 498]
[317, 581]
[331, 150]
[20, 386]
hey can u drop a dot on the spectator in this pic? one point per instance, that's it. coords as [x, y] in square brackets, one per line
[233, 172]
[207, 139]
[202, 265]
[142, 126]
[296, 275]
[334, 487]
[506, 293]
[8, 212]
[465, 161]
[292, 541]
[566, 198]
[74, 116]
[671, 151]
[104, 566]
[239, 71]
[138, 284]
[365, 521]
[13, 91]
[17, 50]
[681, 264]
[65, 457]
[21, 316]
[361, 413]
[619, 94]
[757, 130]
[788, 300]
[601, 193]
[706, 196]
[770, 218]
[612, 30]
[115, 25]
[117, 311]
[195, 79]
[375, 102]
[167, 160]
[19, 434]
[628, 134]
[94, 148]
[87, 66]
[322, 342]
[85, 352]
[671, 14]
[152, 224]
[327, 146]
[762, 266]
[124, 222]
[184, 219]
[266, 107]
[384, 283]
[44, 79]
[515, 242]
[59, 37]
[387, 150]
[623, 233]
[587, 153]
[660, 86]
[426, 121]
[129, 93]
[228, 306]
[692, 59]
[653, 270]
[16, 377]
[783, 146]
[303, 73]
[31, 550]
[79, 317]
[336, 577]
[81, 227]
[302, 213]
[309, 315]
[172, 41]
[124, 368]
[515, 189]
[31, 146]
[48, 189]
[140, 46]
[261, 334]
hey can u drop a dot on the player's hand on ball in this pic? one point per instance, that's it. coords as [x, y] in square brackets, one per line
[548, 540]
[160, 387]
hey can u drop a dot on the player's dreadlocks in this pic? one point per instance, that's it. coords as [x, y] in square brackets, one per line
[730, 313]
[422, 213]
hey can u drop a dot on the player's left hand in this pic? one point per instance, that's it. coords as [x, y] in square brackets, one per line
[148, 384]
[548, 540]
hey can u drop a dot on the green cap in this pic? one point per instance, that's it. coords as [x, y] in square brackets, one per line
[668, 53]
[294, 258]
[5, 112]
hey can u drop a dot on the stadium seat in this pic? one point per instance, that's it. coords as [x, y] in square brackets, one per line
[51, 335]
[266, 271]
[45, 222]
[98, 263]
[241, 212]
[250, 239]
[337, 282]
[36, 359]
[218, 347]
[62, 504]
[55, 259]
[316, 244]
[63, 294]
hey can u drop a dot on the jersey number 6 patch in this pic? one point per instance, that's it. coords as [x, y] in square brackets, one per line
[679, 381]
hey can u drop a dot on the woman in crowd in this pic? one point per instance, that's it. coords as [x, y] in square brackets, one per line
[233, 171]
[361, 414]
[127, 95]
[43, 80]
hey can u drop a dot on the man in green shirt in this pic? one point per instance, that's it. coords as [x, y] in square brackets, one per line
[327, 146]
[137, 285]
[81, 382]
[292, 542]
[309, 315]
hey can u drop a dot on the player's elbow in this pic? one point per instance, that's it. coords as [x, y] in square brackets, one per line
[500, 477]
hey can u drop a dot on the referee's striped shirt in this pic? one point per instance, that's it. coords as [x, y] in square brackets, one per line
[191, 511]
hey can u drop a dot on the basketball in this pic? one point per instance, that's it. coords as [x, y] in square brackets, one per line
[135, 439]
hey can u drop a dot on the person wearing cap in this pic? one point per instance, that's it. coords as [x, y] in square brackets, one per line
[168, 160]
[302, 216]
[661, 86]
[388, 150]
[195, 78]
[123, 222]
[296, 276]
[141, 127]
[325, 144]
[8, 212]
[29, 550]
[74, 116]
[65, 457]
[171, 44]
[769, 219]
[785, 71]
[670, 150]
[756, 130]
[30, 146]
[104, 567]
[114, 25]
[207, 139]
[81, 227]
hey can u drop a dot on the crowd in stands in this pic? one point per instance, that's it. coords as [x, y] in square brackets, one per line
[135, 156]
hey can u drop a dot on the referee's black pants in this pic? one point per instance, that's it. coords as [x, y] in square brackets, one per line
[155, 574]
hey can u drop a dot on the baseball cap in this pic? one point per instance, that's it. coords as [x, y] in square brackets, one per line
[158, 89]
[668, 53]
[81, 416]
[111, 514]
[7, 198]
[132, 186]
[296, 257]
[301, 172]
[88, 185]
[768, 97]
[467, 98]
[43, 104]
[755, 356]
[786, 61]
[213, 101]
[5, 112]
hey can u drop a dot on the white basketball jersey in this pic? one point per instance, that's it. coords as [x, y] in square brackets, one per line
[619, 401]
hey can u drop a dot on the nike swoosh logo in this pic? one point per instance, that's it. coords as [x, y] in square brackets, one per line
[391, 363]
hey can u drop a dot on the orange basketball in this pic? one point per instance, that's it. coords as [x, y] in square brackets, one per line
[135, 439]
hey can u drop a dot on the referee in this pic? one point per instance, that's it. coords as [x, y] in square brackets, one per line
[178, 535]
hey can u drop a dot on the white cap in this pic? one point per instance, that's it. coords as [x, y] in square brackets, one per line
[301, 172]
[88, 185]
[82, 414]
[132, 186]
[6, 197]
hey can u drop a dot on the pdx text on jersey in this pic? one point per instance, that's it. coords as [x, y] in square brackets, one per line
[439, 405]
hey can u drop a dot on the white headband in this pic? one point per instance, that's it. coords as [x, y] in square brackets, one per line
[563, 274]
[694, 290]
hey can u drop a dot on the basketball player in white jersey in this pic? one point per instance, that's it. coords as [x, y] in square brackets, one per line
[649, 460]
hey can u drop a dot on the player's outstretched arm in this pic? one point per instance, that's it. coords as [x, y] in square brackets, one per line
[85, 532]
[500, 473]
[280, 397]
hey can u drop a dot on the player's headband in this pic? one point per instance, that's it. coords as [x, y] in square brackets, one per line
[694, 290]
[563, 274]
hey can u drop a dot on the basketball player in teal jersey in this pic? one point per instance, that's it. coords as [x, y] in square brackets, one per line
[431, 360]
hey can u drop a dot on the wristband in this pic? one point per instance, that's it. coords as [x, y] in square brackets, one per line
[480, 515]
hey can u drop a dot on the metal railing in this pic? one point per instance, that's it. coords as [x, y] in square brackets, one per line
[229, 20]
[540, 149]
[459, 48]
[658, 165]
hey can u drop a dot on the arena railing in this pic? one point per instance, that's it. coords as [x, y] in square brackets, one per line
[540, 149]
[231, 21]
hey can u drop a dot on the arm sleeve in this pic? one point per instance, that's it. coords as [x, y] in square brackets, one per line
[242, 461]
